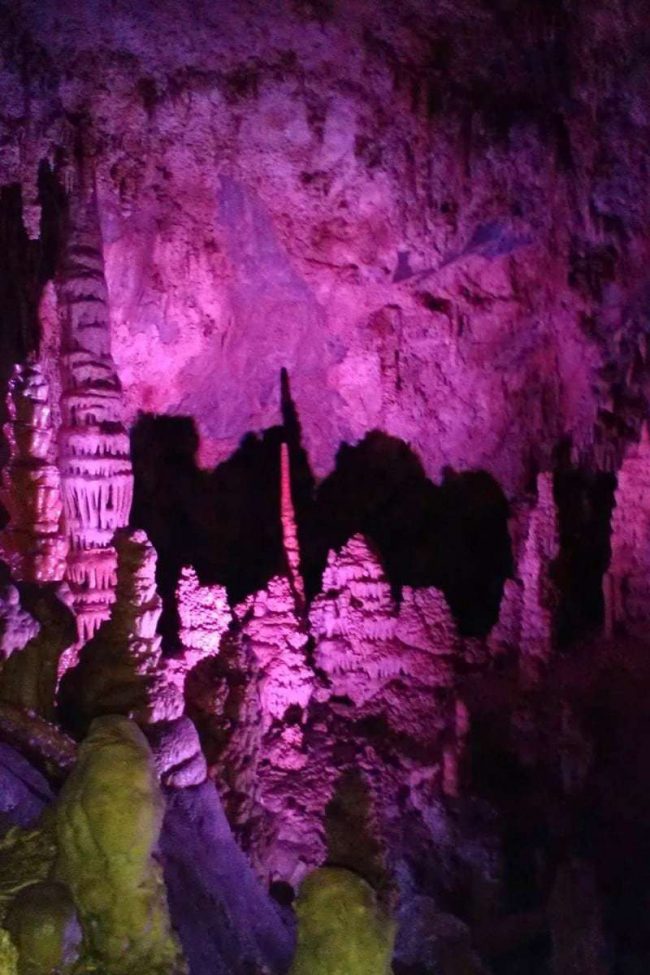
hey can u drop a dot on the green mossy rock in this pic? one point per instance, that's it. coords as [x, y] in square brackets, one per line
[109, 815]
[8, 955]
[43, 924]
[341, 928]
[26, 856]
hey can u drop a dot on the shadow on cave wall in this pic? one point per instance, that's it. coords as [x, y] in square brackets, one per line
[226, 522]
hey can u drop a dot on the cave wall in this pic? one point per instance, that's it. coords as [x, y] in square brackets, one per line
[433, 218]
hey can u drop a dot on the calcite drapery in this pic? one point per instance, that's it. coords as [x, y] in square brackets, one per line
[33, 543]
[94, 452]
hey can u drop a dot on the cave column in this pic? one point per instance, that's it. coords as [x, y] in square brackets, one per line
[94, 450]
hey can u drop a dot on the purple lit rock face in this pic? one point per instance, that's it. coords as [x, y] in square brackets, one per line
[324, 390]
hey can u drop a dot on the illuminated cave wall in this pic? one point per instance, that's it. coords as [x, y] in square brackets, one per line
[323, 369]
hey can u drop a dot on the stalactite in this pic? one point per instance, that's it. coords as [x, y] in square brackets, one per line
[33, 543]
[289, 528]
[94, 453]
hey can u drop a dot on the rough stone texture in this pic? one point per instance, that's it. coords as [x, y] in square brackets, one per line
[45, 929]
[356, 194]
[233, 927]
[108, 815]
[17, 627]
[24, 792]
[33, 544]
[29, 678]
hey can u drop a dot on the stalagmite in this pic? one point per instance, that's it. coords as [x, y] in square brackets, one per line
[33, 543]
[204, 617]
[266, 748]
[94, 454]
[289, 528]
[526, 616]
[353, 622]
[627, 583]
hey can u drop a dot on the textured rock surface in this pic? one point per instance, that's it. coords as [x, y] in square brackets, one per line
[24, 792]
[33, 544]
[43, 925]
[359, 195]
[94, 454]
[233, 926]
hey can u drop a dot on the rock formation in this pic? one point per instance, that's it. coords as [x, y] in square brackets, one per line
[627, 583]
[105, 853]
[94, 453]
[121, 670]
[526, 618]
[341, 927]
[289, 527]
[205, 616]
[33, 543]
[17, 627]
[353, 622]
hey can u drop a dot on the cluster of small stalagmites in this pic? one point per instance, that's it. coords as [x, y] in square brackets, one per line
[627, 583]
[33, 544]
[526, 615]
[122, 670]
[94, 450]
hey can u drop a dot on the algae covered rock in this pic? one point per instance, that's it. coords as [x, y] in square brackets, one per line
[8, 955]
[43, 924]
[109, 815]
[341, 927]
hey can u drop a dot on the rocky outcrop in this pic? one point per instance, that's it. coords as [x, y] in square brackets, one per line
[121, 670]
[94, 453]
[17, 626]
[234, 925]
[33, 544]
